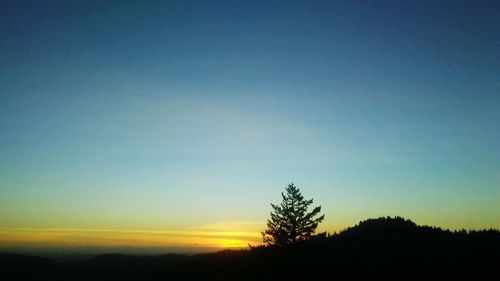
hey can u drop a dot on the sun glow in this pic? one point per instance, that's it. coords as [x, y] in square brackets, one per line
[125, 238]
[233, 243]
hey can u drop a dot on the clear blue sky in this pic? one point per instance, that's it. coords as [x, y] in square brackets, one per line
[179, 115]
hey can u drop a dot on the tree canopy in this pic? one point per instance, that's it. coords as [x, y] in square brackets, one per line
[290, 221]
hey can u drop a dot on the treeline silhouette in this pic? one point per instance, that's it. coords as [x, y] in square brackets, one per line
[384, 247]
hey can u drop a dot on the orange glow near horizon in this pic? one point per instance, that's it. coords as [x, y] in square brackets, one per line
[101, 238]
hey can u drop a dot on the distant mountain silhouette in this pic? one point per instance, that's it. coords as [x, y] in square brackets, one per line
[383, 247]
[23, 267]
[132, 267]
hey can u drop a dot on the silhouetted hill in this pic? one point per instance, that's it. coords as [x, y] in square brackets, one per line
[23, 267]
[388, 247]
[383, 247]
[132, 266]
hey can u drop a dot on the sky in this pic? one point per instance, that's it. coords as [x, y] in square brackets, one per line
[175, 124]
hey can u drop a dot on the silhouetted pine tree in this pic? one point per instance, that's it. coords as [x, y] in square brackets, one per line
[290, 221]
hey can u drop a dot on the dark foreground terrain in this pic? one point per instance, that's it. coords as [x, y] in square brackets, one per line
[384, 247]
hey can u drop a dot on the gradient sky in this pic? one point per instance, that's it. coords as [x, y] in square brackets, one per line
[177, 123]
